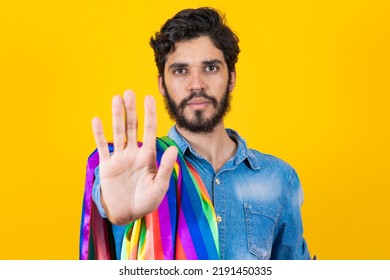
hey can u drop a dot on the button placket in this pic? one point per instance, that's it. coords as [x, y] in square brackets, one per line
[220, 211]
[217, 182]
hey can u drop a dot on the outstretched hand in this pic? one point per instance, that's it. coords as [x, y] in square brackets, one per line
[131, 184]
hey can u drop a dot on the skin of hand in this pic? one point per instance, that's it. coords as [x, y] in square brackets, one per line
[131, 184]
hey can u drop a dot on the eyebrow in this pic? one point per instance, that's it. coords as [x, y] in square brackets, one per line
[177, 65]
[212, 62]
[205, 63]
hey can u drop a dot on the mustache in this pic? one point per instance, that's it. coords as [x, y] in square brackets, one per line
[197, 94]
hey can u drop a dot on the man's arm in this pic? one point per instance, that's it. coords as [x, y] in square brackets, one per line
[289, 243]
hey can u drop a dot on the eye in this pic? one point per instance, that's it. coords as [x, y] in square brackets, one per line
[211, 68]
[179, 71]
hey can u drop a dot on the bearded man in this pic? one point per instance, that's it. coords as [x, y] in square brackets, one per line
[199, 193]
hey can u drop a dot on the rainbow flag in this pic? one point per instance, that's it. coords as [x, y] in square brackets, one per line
[183, 226]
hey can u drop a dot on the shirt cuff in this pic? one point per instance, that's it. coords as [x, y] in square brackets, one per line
[96, 193]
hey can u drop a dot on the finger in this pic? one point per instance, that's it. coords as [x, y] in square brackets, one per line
[164, 172]
[101, 143]
[131, 118]
[118, 124]
[150, 125]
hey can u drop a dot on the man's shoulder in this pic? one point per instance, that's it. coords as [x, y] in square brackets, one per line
[277, 170]
[269, 161]
[260, 160]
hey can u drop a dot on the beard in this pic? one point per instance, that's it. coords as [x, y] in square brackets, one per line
[199, 123]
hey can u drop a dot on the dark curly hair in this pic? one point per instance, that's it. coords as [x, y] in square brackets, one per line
[190, 24]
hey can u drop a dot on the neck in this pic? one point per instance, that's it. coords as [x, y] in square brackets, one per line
[216, 146]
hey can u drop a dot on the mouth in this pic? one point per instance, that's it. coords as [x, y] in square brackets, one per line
[198, 103]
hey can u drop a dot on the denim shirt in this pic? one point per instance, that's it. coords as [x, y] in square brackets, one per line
[257, 199]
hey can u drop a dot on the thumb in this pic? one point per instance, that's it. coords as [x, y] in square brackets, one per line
[164, 172]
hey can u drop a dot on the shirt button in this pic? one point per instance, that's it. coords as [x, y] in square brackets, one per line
[217, 181]
[219, 219]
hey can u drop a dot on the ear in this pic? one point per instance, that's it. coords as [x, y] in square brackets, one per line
[232, 80]
[160, 85]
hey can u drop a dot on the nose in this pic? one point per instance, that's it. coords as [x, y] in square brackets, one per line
[196, 82]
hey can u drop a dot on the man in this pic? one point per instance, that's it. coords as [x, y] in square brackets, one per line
[254, 199]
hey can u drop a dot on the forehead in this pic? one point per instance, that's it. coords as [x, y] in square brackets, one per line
[195, 51]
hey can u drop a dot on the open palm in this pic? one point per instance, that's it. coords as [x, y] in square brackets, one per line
[131, 184]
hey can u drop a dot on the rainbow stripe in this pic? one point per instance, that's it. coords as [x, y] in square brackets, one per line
[183, 226]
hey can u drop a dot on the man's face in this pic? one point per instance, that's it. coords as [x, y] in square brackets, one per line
[197, 85]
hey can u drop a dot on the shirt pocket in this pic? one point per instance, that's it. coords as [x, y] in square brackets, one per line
[260, 227]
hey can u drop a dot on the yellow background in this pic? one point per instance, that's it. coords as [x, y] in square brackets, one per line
[313, 89]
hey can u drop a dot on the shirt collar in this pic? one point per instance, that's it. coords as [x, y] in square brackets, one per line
[243, 152]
